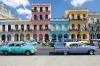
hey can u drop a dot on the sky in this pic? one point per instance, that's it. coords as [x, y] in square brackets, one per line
[22, 8]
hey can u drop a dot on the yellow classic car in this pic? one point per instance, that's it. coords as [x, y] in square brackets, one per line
[84, 41]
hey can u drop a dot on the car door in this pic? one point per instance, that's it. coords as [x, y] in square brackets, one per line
[11, 48]
[81, 48]
[18, 48]
[73, 48]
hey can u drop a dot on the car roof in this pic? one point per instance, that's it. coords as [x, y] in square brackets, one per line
[68, 43]
[19, 42]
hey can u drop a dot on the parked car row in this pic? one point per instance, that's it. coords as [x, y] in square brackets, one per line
[29, 47]
[20, 47]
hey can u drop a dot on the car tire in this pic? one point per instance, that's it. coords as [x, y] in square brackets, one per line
[66, 53]
[27, 52]
[5, 52]
[91, 52]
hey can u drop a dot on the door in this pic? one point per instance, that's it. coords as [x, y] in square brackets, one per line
[11, 48]
[73, 48]
[18, 48]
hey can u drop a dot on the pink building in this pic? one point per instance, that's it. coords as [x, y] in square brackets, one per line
[41, 14]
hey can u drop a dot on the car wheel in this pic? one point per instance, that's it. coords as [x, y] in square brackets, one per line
[27, 53]
[91, 52]
[5, 52]
[65, 53]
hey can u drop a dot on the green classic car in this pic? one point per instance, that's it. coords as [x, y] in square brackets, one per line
[18, 47]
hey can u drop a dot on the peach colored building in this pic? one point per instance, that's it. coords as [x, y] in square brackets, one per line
[41, 14]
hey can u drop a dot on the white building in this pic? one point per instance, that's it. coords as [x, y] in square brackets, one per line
[5, 14]
[94, 24]
[5, 30]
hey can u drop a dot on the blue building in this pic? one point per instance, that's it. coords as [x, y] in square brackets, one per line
[59, 28]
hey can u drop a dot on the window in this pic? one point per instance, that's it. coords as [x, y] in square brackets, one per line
[46, 17]
[41, 10]
[41, 18]
[98, 21]
[9, 27]
[78, 17]
[84, 16]
[35, 17]
[16, 27]
[46, 8]
[11, 45]
[18, 45]
[73, 45]
[28, 27]
[35, 27]
[22, 27]
[35, 9]
[72, 16]
[3, 27]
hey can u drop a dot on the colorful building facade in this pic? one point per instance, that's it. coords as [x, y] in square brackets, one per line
[21, 30]
[78, 23]
[59, 28]
[41, 22]
[94, 25]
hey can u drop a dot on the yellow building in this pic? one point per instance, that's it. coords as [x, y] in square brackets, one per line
[78, 23]
[21, 30]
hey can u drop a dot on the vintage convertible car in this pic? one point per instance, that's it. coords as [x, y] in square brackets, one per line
[75, 48]
[18, 47]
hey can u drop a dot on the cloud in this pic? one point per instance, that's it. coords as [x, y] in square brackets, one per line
[24, 11]
[15, 3]
[78, 2]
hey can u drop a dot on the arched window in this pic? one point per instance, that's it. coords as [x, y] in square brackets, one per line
[73, 26]
[16, 27]
[9, 37]
[41, 9]
[65, 35]
[28, 27]
[27, 36]
[46, 27]
[22, 37]
[84, 16]
[41, 18]
[72, 16]
[35, 27]
[59, 36]
[53, 36]
[35, 17]
[3, 27]
[46, 17]
[78, 17]
[9, 27]
[16, 37]
[84, 36]
[73, 36]
[35, 36]
[22, 27]
[40, 27]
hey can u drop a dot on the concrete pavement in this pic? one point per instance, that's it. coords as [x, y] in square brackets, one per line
[50, 60]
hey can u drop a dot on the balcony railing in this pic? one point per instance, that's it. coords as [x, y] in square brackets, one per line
[79, 19]
[78, 29]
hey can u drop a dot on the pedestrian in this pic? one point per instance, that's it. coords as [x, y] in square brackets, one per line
[91, 43]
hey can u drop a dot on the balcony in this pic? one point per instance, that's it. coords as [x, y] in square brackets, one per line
[78, 30]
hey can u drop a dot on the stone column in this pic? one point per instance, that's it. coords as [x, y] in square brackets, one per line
[19, 37]
[24, 37]
[38, 27]
[12, 37]
[56, 27]
[31, 36]
[0, 28]
[6, 28]
[25, 27]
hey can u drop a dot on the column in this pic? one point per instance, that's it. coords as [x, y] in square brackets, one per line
[19, 27]
[57, 27]
[24, 37]
[31, 36]
[6, 28]
[12, 37]
[37, 37]
[43, 26]
[43, 38]
[0, 28]
[63, 29]
[38, 27]
[13, 27]
[25, 27]
[19, 37]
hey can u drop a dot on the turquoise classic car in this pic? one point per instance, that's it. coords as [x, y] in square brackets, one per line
[18, 47]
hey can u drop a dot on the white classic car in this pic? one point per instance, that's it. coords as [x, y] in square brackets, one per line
[75, 48]
[31, 42]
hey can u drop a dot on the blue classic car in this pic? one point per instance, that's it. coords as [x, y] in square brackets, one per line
[75, 48]
[18, 47]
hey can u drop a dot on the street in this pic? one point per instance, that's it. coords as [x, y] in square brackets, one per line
[44, 50]
[42, 58]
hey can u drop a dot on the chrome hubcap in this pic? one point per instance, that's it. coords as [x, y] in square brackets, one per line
[27, 53]
[91, 52]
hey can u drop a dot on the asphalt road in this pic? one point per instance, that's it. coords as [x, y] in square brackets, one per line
[44, 51]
